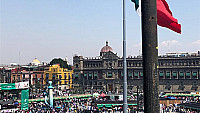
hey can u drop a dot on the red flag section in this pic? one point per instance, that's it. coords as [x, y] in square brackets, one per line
[165, 18]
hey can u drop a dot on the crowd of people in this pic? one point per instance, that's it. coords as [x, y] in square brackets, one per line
[88, 105]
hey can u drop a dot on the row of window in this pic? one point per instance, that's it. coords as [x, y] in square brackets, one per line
[139, 63]
[91, 65]
[180, 74]
[62, 82]
[55, 70]
[59, 76]
[162, 74]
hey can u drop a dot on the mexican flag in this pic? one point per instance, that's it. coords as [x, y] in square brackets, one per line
[164, 15]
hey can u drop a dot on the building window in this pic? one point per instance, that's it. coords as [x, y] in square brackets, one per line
[95, 83]
[168, 74]
[136, 74]
[100, 83]
[181, 74]
[174, 74]
[47, 76]
[69, 75]
[95, 76]
[100, 76]
[42, 81]
[90, 76]
[121, 75]
[76, 75]
[109, 75]
[23, 76]
[194, 74]
[141, 74]
[130, 75]
[85, 76]
[161, 74]
[18, 78]
[188, 74]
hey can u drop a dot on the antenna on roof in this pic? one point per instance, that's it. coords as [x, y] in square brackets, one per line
[19, 56]
[168, 46]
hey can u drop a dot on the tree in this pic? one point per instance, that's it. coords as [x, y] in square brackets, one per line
[61, 62]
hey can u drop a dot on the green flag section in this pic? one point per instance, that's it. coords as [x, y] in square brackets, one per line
[7, 86]
[24, 99]
[136, 4]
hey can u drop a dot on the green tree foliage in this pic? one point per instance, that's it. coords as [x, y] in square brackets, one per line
[61, 62]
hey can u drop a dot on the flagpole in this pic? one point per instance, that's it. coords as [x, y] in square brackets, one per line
[124, 63]
[150, 56]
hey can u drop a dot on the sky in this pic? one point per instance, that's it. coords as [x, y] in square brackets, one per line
[47, 29]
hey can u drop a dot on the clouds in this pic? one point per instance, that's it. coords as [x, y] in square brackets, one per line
[196, 42]
[173, 46]
[169, 42]
[178, 46]
[137, 45]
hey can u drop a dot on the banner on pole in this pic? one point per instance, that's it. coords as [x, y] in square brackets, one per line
[7, 86]
[24, 99]
[22, 85]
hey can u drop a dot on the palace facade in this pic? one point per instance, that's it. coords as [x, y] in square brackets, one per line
[178, 72]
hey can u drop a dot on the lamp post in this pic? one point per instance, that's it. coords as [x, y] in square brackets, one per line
[4, 75]
[50, 94]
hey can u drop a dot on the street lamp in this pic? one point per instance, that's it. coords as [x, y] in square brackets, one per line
[4, 74]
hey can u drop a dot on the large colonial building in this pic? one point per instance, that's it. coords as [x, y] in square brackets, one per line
[178, 72]
[61, 77]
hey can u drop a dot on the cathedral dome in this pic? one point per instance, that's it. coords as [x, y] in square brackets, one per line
[35, 62]
[106, 48]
